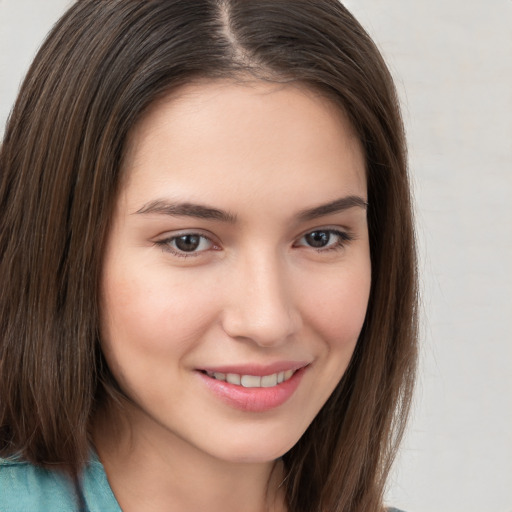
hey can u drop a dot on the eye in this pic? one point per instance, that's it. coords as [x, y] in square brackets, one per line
[186, 244]
[324, 239]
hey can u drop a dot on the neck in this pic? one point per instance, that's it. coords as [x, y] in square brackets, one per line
[151, 469]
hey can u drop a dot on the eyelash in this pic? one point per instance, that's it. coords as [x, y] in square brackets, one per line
[166, 245]
[343, 239]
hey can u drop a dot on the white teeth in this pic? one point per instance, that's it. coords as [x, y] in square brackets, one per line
[269, 380]
[253, 381]
[250, 381]
[233, 378]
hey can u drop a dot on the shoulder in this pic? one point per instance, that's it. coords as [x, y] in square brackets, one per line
[25, 487]
[28, 488]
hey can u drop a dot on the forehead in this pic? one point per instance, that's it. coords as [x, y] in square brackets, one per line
[244, 137]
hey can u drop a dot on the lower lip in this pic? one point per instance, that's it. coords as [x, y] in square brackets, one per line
[254, 399]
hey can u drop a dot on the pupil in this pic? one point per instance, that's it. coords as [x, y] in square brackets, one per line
[188, 243]
[318, 238]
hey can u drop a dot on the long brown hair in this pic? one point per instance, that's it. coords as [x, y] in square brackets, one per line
[101, 67]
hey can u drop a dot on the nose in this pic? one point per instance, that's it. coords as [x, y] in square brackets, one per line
[260, 306]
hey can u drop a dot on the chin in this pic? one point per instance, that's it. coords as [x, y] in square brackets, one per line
[261, 449]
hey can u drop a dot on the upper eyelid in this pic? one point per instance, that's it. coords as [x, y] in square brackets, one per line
[168, 235]
[344, 233]
[330, 228]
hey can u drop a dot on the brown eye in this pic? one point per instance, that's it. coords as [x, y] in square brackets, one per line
[324, 239]
[187, 243]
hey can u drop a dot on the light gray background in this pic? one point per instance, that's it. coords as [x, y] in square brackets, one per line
[452, 60]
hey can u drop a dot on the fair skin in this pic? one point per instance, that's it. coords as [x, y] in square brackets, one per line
[238, 250]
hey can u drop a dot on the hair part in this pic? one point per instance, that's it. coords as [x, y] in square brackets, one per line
[102, 66]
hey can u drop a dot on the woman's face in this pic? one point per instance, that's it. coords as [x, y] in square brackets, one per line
[237, 270]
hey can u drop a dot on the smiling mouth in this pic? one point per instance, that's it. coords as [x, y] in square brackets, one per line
[238, 387]
[252, 381]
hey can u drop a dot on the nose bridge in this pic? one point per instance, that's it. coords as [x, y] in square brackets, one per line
[261, 304]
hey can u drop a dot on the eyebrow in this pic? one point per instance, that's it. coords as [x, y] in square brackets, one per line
[163, 207]
[336, 206]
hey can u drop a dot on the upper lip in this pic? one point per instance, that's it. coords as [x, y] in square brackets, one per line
[258, 370]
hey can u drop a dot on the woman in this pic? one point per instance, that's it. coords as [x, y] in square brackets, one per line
[207, 258]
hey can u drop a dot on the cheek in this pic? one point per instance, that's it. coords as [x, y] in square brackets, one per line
[150, 314]
[333, 313]
[337, 307]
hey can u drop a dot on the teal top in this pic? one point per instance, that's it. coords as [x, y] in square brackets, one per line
[28, 488]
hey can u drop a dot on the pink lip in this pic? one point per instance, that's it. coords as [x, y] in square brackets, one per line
[253, 399]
